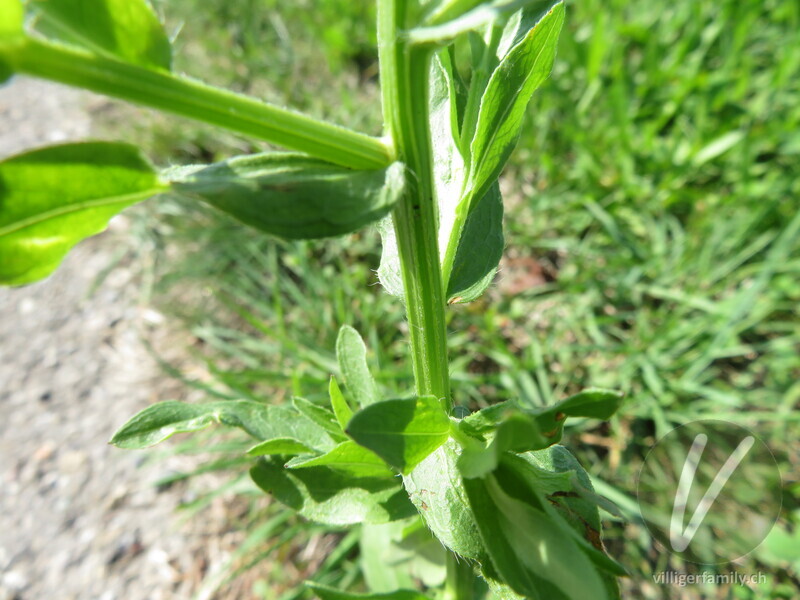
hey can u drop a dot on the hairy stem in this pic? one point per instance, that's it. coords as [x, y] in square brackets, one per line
[196, 100]
[404, 86]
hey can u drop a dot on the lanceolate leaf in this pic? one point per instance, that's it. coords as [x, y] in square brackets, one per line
[264, 422]
[479, 249]
[292, 195]
[402, 432]
[595, 403]
[125, 29]
[478, 237]
[340, 406]
[351, 353]
[51, 199]
[332, 497]
[349, 457]
[529, 549]
[519, 74]
[327, 593]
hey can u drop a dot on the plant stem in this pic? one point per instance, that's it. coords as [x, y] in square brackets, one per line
[404, 88]
[196, 100]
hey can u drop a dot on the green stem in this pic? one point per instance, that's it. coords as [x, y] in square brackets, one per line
[190, 98]
[404, 87]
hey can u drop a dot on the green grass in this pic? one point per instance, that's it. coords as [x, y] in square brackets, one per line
[652, 209]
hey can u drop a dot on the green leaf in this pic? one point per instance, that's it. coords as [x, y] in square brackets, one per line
[331, 497]
[52, 198]
[521, 430]
[284, 446]
[321, 416]
[595, 403]
[292, 195]
[128, 30]
[528, 549]
[460, 16]
[264, 422]
[328, 593]
[480, 249]
[477, 238]
[557, 483]
[394, 555]
[487, 419]
[436, 488]
[349, 457]
[517, 432]
[340, 406]
[11, 14]
[402, 432]
[511, 86]
[351, 353]
[382, 569]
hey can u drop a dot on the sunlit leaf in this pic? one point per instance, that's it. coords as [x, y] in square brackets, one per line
[528, 549]
[526, 66]
[332, 497]
[125, 29]
[51, 199]
[349, 457]
[351, 353]
[264, 422]
[402, 432]
[340, 406]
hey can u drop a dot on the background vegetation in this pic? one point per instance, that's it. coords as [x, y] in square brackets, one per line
[653, 246]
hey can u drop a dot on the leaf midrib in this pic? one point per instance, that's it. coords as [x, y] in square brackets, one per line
[78, 207]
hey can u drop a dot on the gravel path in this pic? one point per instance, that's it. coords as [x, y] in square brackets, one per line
[78, 518]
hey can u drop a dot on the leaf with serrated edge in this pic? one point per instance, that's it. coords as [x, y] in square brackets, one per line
[340, 406]
[264, 422]
[128, 30]
[402, 432]
[52, 198]
[331, 497]
[351, 353]
[347, 456]
[327, 593]
[292, 195]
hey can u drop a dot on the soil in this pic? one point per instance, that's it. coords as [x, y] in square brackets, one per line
[80, 519]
